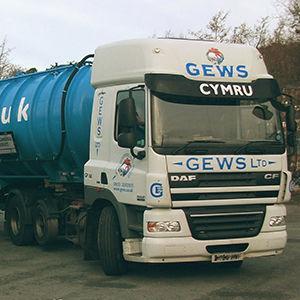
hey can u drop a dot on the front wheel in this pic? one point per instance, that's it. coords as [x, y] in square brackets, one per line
[110, 243]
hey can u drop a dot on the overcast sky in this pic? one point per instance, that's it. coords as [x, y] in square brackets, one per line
[43, 32]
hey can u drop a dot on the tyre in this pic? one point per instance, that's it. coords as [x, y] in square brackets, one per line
[45, 230]
[110, 243]
[20, 233]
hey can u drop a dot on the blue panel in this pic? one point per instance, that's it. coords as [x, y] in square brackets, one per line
[30, 108]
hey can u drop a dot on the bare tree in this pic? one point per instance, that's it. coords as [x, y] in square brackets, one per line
[217, 26]
[7, 68]
[280, 34]
[261, 32]
[242, 34]
[289, 20]
[216, 29]
[287, 31]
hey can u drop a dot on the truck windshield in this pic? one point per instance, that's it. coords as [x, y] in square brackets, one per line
[198, 125]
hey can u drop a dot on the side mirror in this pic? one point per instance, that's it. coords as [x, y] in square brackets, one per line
[127, 123]
[127, 140]
[291, 139]
[126, 120]
[126, 113]
[291, 124]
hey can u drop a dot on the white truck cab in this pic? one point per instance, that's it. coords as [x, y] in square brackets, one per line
[188, 157]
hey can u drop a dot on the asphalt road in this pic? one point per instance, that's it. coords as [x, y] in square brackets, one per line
[59, 272]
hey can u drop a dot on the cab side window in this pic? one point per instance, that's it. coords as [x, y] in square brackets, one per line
[139, 99]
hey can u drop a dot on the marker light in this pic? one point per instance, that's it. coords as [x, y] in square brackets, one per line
[277, 221]
[164, 226]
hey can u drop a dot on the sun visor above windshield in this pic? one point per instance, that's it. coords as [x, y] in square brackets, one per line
[180, 85]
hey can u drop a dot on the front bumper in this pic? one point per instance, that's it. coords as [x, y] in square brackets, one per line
[187, 249]
[182, 247]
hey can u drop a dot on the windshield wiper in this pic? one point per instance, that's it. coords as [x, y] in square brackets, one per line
[197, 142]
[257, 150]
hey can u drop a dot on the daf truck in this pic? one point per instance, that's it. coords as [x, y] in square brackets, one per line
[150, 150]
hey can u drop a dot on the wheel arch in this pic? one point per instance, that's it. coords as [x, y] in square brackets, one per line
[97, 200]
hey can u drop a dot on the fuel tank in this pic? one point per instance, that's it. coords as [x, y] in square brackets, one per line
[45, 124]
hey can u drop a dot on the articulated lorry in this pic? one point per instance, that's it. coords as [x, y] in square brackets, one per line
[154, 150]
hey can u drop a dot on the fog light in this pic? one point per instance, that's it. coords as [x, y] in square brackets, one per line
[277, 221]
[164, 226]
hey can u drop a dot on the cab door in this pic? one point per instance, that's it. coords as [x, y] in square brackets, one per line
[127, 168]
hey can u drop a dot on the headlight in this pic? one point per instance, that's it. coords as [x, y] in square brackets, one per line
[164, 226]
[277, 221]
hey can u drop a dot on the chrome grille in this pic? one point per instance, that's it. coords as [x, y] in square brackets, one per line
[223, 186]
[228, 222]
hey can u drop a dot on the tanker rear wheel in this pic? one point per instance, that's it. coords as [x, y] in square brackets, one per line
[110, 243]
[45, 230]
[20, 233]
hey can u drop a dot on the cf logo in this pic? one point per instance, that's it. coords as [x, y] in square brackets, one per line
[271, 176]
